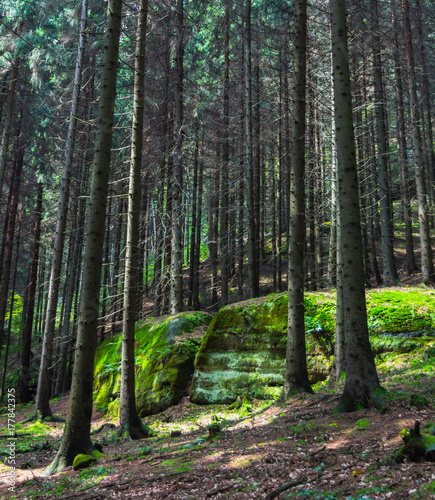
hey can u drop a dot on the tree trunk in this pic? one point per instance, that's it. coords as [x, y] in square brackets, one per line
[31, 294]
[9, 243]
[130, 423]
[225, 266]
[362, 385]
[8, 119]
[296, 374]
[427, 266]
[410, 264]
[249, 163]
[76, 436]
[42, 406]
[390, 273]
[177, 188]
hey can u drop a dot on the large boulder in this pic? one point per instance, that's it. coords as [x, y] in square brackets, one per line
[243, 351]
[165, 353]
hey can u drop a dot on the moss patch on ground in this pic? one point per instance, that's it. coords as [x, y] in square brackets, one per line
[165, 352]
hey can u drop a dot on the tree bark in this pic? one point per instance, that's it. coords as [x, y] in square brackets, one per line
[410, 264]
[8, 119]
[362, 385]
[130, 424]
[177, 188]
[296, 373]
[249, 162]
[427, 266]
[390, 272]
[42, 406]
[76, 436]
[31, 294]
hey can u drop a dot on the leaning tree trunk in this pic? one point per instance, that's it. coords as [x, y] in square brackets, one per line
[130, 423]
[76, 436]
[296, 373]
[362, 385]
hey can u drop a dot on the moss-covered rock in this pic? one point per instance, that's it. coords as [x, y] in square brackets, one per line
[165, 352]
[83, 461]
[243, 351]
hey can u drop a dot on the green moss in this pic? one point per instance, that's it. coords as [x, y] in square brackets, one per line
[164, 363]
[82, 461]
[243, 350]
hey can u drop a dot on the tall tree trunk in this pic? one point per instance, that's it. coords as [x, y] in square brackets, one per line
[225, 265]
[10, 235]
[11, 313]
[130, 424]
[177, 188]
[76, 437]
[214, 229]
[8, 119]
[31, 294]
[42, 406]
[362, 385]
[427, 266]
[410, 264]
[193, 248]
[427, 107]
[296, 373]
[195, 293]
[390, 272]
[249, 163]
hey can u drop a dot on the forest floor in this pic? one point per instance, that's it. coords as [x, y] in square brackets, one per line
[301, 445]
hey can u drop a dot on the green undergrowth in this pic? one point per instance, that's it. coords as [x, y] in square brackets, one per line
[58, 487]
[28, 437]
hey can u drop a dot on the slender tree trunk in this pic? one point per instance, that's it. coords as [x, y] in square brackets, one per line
[427, 107]
[296, 373]
[9, 243]
[224, 237]
[11, 313]
[177, 188]
[193, 248]
[8, 119]
[130, 423]
[249, 163]
[410, 264]
[427, 266]
[362, 385]
[214, 230]
[31, 294]
[390, 273]
[42, 406]
[76, 436]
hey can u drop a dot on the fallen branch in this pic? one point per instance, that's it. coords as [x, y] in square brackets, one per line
[318, 451]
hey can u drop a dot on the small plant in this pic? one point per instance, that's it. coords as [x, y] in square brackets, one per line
[363, 423]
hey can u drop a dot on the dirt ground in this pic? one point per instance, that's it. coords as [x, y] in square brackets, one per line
[300, 446]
